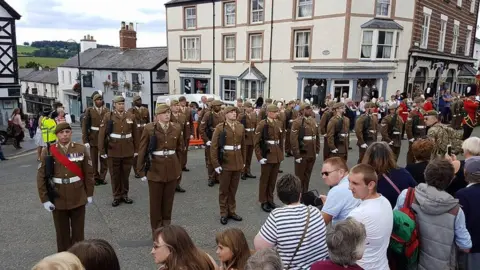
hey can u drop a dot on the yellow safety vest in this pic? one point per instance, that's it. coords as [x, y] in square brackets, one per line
[48, 126]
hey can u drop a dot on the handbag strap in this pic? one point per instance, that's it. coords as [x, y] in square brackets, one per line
[392, 184]
[301, 239]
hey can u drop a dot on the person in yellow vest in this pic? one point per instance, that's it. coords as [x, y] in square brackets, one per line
[47, 126]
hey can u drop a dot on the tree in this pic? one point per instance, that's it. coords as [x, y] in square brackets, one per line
[32, 64]
[26, 43]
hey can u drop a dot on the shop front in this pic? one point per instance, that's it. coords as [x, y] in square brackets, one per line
[36, 104]
[9, 100]
[195, 80]
[72, 103]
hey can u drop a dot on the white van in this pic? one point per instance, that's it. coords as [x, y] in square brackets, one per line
[192, 99]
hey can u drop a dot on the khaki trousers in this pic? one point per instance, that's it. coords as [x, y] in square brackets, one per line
[268, 178]
[136, 169]
[69, 227]
[303, 171]
[103, 163]
[161, 196]
[248, 160]
[288, 145]
[119, 173]
[185, 155]
[326, 150]
[228, 189]
[210, 169]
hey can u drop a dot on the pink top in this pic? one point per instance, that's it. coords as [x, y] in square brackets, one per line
[17, 120]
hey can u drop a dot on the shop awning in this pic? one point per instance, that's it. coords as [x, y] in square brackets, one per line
[467, 71]
[253, 74]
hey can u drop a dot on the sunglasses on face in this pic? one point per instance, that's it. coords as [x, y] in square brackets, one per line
[328, 173]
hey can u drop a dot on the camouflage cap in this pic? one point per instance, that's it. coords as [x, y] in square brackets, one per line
[97, 96]
[216, 103]
[268, 100]
[304, 106]
[182, 98]
[210, 99]
[419, 100]
[393, 107]
[62, 126]
[230, 109]
[272, 108]
[162, 108]
[291, 102]
[339, 105]
[135, 98]
[431, 113]
[247, 104]
[174, 102]
[119, 99]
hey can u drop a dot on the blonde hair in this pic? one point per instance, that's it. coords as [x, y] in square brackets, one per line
[59, 261]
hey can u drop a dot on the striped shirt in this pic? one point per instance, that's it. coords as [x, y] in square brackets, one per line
[284, 228]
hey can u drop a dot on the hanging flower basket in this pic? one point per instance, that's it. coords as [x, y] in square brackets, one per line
[106, 83]
[77, 88]
[114, 85]
[126, 85]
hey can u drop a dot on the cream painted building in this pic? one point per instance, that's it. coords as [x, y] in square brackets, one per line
[319, 47]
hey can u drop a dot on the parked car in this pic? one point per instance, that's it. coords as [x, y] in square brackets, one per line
[195, 99]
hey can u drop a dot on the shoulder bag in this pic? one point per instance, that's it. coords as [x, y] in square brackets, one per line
[301, 239]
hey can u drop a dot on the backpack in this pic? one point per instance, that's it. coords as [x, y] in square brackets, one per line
[405, 240]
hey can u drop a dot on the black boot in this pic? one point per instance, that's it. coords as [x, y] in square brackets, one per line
[249, 175]
[211, 183]
[179, 189]
[266, 207]
[244, 176]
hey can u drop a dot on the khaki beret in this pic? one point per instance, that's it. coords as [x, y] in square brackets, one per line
[62, 126]
[97, 96]
[268, 100]
[162, 108]
[331, 103]
[182, 98]
[216, 103]
[339, 105]
[431, 113]
[272, 108]
[230, 109]
[135, 98]
[369, 105]
[247, 104]
[174, 102]
[119, 99]
[210, 99]
[304, 106]
[291, 102]
[419, 100]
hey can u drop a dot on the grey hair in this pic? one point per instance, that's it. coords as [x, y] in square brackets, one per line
[472, 146]
[264, 259]
[345, 242]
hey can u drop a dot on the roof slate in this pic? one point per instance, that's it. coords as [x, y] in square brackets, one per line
[22, 72]
[42, 76]
[115, 58]
[467, 71]
[382, 24]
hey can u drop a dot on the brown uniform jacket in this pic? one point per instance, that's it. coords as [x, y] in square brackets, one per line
[217, 119]
[123, 124]
[324, 122]
[233, 160]
[392, 134]
[281, 118]
[182, 122]
[420, 129]
[335, 139]
[292, 114]
[163, 168]
[311, 147]
[71, 195]
[252, 121]
[141, 118]
[202, 112]
[262, 114]
[91, 137]
[275, 133]
[189, 119]
[366, 134]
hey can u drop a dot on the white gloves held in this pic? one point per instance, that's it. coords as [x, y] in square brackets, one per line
[364, 146]
[209, 143]
[298, 160]
[218, 170]
[104, 156]
[49, 206]
[135, 154]
[335, 151]
[263, 161]
[191, 136]
[412, 140]
[390, 143]
[144, 179]
[89, 200]
[87, 145]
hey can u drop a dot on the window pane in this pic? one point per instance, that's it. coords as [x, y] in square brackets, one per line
[305, 8]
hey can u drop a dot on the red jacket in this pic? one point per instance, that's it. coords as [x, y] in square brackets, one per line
[470, 107]
[403, 111]
[428, 106]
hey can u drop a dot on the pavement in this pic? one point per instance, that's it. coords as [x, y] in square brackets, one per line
[28, 232]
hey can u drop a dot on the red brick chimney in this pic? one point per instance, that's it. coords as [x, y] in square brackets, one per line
[128, 37]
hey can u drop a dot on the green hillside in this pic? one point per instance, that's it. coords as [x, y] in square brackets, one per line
[23, 50]
[43, 61]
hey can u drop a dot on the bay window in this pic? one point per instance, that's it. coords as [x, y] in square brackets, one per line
[380, 44]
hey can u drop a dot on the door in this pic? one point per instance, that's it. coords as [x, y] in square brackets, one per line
[339, 92]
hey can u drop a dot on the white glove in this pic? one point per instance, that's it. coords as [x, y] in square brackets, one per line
[299, 160]
[263, 161]
[209, 143]
[218, 170]
[316, 155]
[144, 179]
[412, 140]
[89, 200]
[390, 143]
[104, 156]
[135, 154]
[191, 136]
[48, 206]
[87, 145]
[335, 151]
[364, 146]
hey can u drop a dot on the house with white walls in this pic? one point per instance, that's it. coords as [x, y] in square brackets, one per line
[39, 90]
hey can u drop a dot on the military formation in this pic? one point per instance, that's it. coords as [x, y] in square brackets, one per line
[157, 150]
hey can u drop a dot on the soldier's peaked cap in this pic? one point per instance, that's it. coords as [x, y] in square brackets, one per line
[291, 102]
[431, 113]
[217, 103]
[305, 106]
[97, 96]
[62, 126]
[331, 103]
[135, 98]
[210, 99]
[230, 109]
[182, 98]
[174, 102]
[247, 104]
[272, 108]
[338, 105]
[162, 108]
[119, 99]
[268, 100]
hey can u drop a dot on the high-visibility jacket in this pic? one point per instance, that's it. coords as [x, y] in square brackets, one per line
[48, 126]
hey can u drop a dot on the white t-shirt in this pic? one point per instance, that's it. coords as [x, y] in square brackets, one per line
[377, 216]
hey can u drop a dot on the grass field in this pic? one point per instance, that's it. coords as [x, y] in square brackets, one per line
[21, 50]
[44, 61]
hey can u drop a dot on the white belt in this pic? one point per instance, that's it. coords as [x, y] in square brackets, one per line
[163, 153]
[291, 120]
[66, 180]
[454, 115]
[420, 127]
[249, 129]
[141, 125]
[343, 134]
[396, 132]
[232, 147]
[309, 138]
[95, 128]
[372, 131]
[120, 136]
[273, 142]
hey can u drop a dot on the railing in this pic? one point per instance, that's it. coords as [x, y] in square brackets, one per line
[197, 140]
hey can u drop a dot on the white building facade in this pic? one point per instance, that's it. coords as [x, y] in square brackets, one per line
[39, 90]
[319, 47]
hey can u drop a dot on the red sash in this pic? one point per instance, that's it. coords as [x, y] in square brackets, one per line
[66, 162]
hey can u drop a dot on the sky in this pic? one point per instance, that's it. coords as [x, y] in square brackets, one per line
[73, 19]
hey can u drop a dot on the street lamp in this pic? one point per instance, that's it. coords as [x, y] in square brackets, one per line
[79, 79]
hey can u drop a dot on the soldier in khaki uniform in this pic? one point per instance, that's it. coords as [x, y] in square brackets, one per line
[290, 116]
[165, 167]
[338, 132]
[269, 135]
[73, 178]
[210, 120]
[90, 129]
[415, 126]
[180, 119]
[142, 118]
[249, 119]
[188, 135]
[231, 165]
[391, 130]
[121, 148]
[366, 129]
[305, 148]
[326, 116]
[263, 111]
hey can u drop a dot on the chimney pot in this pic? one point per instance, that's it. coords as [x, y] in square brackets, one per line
[131, 26]
[92, 38]
[85, 37]
[123, 25]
